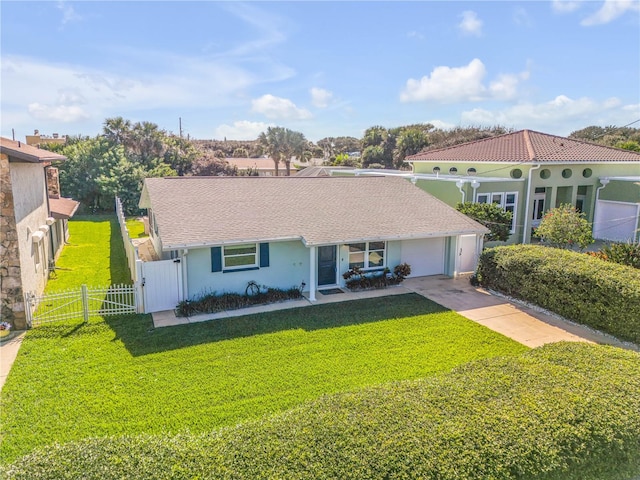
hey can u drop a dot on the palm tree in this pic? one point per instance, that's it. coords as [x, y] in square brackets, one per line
[117, 130]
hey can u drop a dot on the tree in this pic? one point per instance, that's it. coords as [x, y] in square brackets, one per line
[282, 144]
[492, 216]
[564, 227]
[373, 154]
[410, 141]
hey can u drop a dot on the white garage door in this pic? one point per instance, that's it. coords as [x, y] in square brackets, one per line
[426, 256]
[615, 221]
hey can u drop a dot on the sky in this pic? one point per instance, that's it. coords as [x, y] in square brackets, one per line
[231, 69]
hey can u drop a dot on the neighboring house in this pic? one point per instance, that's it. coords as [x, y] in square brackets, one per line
[36, 139]
[25, 226]
[288, 231]
[264, 166]
[528, 173]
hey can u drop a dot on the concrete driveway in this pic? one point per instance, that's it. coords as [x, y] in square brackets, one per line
[522, 324]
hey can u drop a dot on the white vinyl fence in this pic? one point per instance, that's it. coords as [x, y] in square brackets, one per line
[81, 303]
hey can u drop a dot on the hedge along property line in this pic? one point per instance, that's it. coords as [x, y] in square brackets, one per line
[563, 411]
[587, 290]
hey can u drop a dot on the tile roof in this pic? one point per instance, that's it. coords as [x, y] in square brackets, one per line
[201, 211]
[26, 153]
[63, 207]
[528, 146]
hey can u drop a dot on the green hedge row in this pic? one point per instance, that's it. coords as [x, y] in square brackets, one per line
[587, 290]
[564, 411]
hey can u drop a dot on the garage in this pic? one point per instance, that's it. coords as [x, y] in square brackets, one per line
[615, 221]
[426, 256]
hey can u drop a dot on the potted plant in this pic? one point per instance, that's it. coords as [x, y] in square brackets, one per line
[5, 329]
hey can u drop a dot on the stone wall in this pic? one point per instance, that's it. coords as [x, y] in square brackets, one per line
[12, 308]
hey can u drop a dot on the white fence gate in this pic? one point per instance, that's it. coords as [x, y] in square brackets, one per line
[161, 284]
[80, 303]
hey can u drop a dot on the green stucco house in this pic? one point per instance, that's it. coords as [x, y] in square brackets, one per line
[528, 173]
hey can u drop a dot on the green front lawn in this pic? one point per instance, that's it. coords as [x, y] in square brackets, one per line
[121, 376]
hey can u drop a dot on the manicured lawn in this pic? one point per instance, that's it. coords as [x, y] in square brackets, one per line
[94, 255]
[136, 228]
[119, 375]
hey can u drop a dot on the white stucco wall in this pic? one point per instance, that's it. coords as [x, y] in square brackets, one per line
[31, 212]
[288, 267]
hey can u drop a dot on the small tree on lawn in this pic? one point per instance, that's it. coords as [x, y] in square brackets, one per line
[564, 227]
[491, 216]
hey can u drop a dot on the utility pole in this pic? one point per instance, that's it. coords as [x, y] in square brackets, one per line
[180, 125]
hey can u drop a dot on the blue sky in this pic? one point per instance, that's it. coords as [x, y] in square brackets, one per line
[322, 68]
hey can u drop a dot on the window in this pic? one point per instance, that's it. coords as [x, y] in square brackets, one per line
[453, 171]
[240, 256]
[436, 170]
[471, 171]
[507, 200]
[367, 255]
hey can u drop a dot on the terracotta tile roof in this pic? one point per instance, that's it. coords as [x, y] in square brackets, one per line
[527, 146]
[63, 207]
[26, 153]
[201, 211]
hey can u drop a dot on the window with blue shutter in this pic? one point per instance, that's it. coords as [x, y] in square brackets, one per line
[216, 259]
[264, 255]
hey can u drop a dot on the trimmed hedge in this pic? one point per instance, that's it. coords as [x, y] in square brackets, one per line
[563, 411]
[587, 290]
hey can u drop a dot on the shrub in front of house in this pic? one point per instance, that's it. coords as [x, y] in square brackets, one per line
[358, 279]
[565, 411]
[587, 290]
[622, 253]
[254, 295]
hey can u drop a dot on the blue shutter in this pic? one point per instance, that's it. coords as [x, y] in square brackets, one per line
[216, 259]
[264, 255]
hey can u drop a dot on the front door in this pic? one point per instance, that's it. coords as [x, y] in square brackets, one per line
[538, 208]
[327, 265]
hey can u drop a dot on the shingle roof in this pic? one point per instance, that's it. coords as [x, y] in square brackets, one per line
[527, 146]
[26, 153]
[201, 211]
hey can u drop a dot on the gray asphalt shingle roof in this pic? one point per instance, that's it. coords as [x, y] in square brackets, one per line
[527, 146]
[201, 211]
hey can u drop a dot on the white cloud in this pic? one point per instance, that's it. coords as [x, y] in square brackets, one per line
[68, 13]
[320, 97]
[279, 108]
[610, 10]
[69, 92]
[470, 24]
[241, 130]
[459, 84]
[562, 113]
[415, 34]
[565, 6]
[441, 124]
[58, 113]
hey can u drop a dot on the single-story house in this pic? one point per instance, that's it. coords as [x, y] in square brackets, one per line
[286, 231]
[528, 173]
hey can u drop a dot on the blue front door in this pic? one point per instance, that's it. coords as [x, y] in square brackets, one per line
[327, 265]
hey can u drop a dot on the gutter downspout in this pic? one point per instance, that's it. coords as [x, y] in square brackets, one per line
[460, 184]
[527, 220]
[185, 286]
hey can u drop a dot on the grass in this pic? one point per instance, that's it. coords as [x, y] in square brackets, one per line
[136, 228]
[119, 375]
[94, 255]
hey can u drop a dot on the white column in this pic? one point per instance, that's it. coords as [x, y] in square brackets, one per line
[313, 277]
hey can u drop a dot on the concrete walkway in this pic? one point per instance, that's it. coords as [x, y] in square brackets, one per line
[8, 353]
[524, 325]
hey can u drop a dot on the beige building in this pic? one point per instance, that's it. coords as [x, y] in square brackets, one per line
[26, 247]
